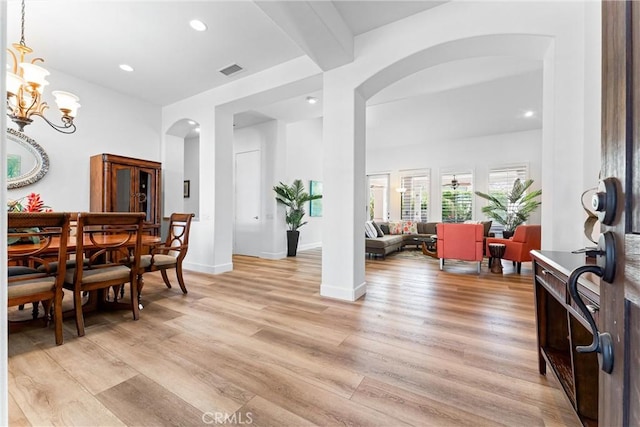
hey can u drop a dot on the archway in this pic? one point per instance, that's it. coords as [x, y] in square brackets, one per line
[181, 168]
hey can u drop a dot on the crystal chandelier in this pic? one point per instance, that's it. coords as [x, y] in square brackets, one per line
[25, 86]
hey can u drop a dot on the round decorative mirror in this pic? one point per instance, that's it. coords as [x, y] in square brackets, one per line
[27, 162]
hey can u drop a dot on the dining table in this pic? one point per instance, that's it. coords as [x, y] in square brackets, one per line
[87, 243]
[96, 300]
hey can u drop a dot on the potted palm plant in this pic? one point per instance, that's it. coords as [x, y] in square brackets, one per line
[293, 197]
[513, 207]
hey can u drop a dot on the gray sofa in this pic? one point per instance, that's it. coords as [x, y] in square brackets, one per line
[395, 242]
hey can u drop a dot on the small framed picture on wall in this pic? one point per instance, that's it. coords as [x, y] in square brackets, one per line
[187, 189]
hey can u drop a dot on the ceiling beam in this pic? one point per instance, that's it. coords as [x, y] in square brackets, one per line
[317, 27]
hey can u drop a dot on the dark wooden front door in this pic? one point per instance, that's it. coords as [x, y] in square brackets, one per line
[619, 401]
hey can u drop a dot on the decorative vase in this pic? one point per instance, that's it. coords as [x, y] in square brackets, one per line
[507, 234]
[292, 242]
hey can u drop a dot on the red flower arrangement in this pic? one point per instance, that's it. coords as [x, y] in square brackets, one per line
[33, 204]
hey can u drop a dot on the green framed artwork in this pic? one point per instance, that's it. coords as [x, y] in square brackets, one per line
[315, 206]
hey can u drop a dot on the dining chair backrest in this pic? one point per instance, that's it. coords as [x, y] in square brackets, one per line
[31, 237]
[170, 255]
[178, 234]
[108, 238]
[108, 247]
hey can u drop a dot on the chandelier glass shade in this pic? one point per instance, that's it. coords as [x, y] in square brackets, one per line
[26, 82]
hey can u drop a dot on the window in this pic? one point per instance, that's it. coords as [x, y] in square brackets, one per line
[457, 196]
[379, 197]
[414, 196]
[501, 181]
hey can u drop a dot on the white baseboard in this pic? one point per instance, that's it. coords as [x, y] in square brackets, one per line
[201, 268]
[308, 246]
[343, 294]
[273, 255]
[280, 255]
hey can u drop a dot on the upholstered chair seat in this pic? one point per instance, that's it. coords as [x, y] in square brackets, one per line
[158, 260]
[31, 286]
[518, 248]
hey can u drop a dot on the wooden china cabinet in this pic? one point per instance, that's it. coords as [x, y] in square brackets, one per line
[125, 184]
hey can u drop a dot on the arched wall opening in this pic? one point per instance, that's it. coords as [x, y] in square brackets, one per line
[558, 41]
[440, 76]
[181, 169]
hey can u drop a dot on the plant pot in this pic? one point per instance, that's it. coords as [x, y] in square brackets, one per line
[507, 234]
[292, 242]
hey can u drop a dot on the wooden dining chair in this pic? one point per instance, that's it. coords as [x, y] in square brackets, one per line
[71, 261]
[30, 236]
[170, 255]
[112, 243]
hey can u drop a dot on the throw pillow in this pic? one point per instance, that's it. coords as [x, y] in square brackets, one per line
[395, 227]
[370, 230]
[385, 228]
[409, 227]
[378, 229]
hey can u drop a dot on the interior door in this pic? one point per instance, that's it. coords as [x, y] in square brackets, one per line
[247, 204]
[619, 399]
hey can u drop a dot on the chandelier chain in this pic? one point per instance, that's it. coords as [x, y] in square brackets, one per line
[22, 27]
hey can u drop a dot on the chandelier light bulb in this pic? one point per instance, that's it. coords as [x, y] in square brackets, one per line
[34, 75]
[67, 101]
[14, 83]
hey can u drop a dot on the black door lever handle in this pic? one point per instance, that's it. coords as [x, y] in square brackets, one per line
[602, 342]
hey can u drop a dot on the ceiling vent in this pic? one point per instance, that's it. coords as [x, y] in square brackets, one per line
[231, 69]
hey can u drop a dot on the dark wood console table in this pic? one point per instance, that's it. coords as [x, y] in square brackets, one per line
[561, 327]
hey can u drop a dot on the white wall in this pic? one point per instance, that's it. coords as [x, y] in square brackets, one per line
[476, 154]
[192, 173]
[304, 162]
[107, 122]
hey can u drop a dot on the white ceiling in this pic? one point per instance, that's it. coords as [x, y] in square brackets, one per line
[363, 16]
[90, 38]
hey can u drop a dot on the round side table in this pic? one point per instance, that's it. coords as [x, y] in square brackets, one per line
[497, 252]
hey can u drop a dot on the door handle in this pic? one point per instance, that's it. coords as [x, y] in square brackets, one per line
[606, 269]
[605, 201]
[255, 217]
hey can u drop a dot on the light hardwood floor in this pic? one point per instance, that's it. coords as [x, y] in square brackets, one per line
[260, 346]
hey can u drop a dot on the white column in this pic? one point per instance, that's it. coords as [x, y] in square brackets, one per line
[344, 200]
[274, 230]
[223, 191]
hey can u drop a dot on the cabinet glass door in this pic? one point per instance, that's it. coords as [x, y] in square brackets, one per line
[123, 189]
[144, 193]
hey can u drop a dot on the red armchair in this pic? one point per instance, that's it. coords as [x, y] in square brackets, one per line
[460, 241]
[525, 239]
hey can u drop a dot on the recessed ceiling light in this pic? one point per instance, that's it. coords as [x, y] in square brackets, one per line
[312, 100]
[198, 25]
[197, 129]
[125, 67]
[191, 122]
[529, 113]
